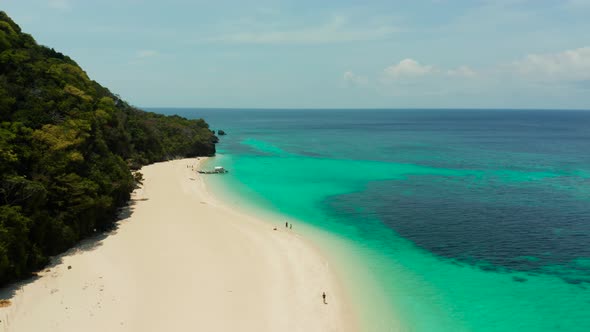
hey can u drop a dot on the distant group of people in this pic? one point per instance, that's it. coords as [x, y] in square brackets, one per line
[287, 226]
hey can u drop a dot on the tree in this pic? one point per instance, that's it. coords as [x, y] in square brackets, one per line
[67, 146]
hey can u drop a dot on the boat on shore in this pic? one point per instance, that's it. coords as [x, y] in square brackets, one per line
[216, 170]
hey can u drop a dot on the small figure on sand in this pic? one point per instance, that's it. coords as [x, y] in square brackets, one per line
[324, 297]
[290, 226]
[286, 224]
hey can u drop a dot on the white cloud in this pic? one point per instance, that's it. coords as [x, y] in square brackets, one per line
[351, 78]
[146, 53]
[60, 4]
[408, 68]
[411, 78]
[462, 71]
[335, 30]
[548, 74]
[567, 65]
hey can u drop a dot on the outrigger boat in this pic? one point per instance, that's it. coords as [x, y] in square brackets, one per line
[216, 170]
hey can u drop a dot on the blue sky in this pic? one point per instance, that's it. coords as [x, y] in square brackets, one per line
[324, 54]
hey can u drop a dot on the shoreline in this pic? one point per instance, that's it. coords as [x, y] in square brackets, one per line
[363, 292]
[182, 259]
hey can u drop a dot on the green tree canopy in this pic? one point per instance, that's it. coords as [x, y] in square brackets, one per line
[67, 145]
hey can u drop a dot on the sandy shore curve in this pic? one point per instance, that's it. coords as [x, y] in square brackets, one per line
[182, 260]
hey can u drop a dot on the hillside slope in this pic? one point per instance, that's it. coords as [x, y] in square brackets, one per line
[67, 145]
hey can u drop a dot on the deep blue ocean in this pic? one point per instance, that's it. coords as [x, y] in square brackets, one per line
[460, 220]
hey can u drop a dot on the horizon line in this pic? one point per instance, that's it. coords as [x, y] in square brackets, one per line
[365, 108]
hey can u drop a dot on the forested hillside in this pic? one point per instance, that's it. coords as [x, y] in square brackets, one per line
[67, 145]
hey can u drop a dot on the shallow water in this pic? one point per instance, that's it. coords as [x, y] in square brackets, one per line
[442, 220]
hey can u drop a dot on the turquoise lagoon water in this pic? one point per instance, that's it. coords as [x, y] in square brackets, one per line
[437, 220]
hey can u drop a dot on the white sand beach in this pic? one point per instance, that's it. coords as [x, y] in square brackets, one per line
[182, 260]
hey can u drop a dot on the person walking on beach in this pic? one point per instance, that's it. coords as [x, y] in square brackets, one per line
[290, 226]
[324, 297]
[286, 224]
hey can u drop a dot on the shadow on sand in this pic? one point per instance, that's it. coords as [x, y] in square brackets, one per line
[88, 244]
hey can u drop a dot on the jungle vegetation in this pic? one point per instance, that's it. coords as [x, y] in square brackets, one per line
[67, 150]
